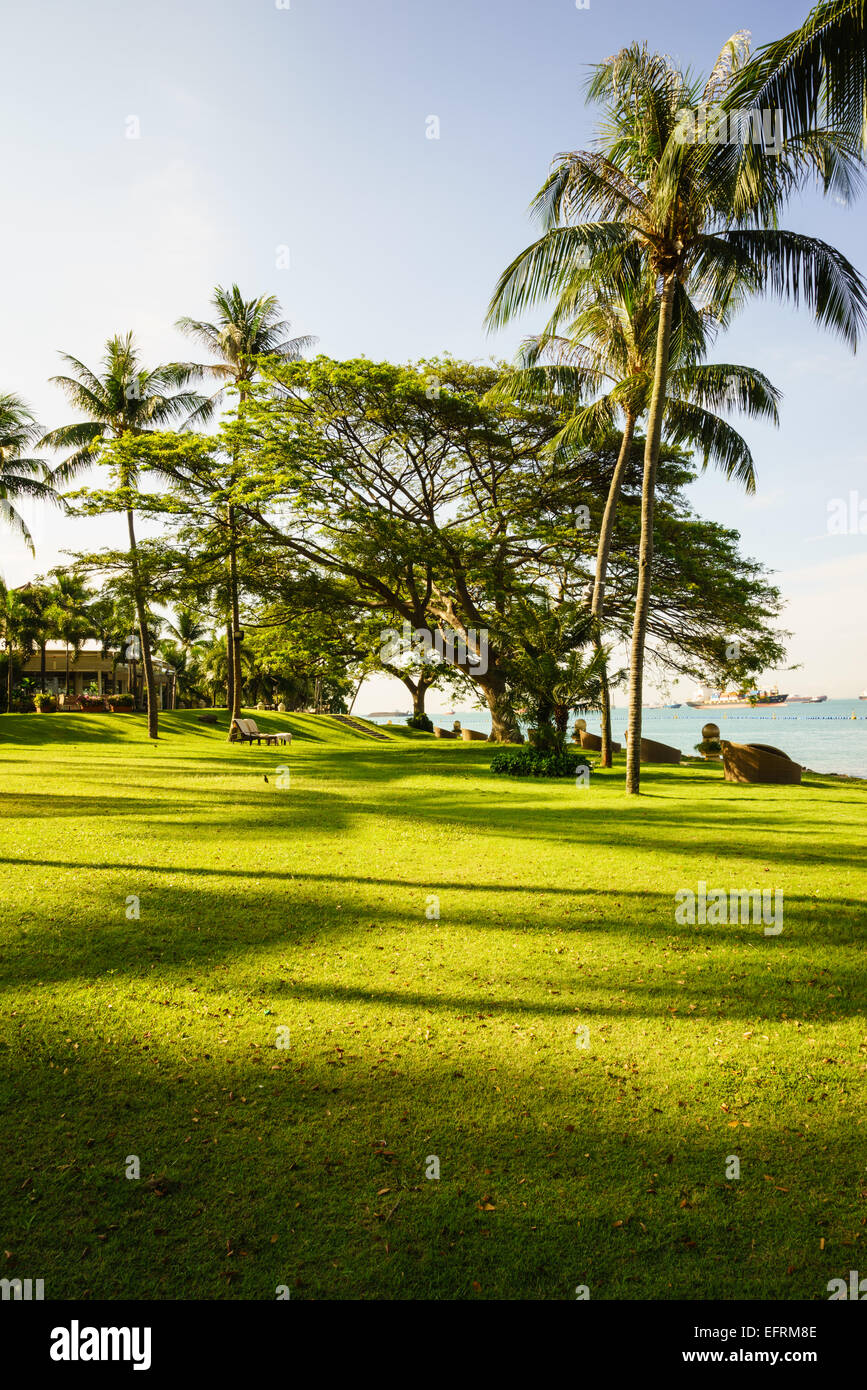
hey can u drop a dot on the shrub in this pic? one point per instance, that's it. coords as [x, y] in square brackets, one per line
[530, 762]
[709, 745]
[43, 702]
[420, 721]
[120, 701]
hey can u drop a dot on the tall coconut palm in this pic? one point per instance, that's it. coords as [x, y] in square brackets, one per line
[687, 207]
[242, 331]
[20, 475]
[608, 352]
[123, 398]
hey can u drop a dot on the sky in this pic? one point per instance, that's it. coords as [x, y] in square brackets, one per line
[154, 151]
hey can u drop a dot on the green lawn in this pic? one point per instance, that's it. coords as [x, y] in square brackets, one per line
[303, 907]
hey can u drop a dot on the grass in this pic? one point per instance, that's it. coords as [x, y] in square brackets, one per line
[303, 907]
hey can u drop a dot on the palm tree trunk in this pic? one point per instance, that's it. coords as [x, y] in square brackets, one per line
[144, 636]
[645, 554]
[597, 607]
[42, 667]
[66, 644]
[235, 625]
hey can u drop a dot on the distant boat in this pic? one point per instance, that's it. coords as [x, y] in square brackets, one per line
[863, 695]
[735, 700]
[805, 699]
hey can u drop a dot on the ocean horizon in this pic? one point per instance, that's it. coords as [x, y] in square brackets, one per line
[830, 737]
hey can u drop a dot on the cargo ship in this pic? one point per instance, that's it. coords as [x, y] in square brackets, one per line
[806, 699]
[750, 699]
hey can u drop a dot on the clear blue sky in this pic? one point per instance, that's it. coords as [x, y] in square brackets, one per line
[304, 127]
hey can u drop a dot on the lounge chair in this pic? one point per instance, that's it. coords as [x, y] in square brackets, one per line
[246, 731]
[759, 762]
[652, 752]
[593, 743]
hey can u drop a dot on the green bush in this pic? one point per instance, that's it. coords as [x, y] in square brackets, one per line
[120, 701]
[530, 762]
[709, 745]
[420, 721]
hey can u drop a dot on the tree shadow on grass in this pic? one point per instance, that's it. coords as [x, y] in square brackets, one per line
[313, 1174]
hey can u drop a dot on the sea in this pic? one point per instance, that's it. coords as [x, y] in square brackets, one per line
[830, 737]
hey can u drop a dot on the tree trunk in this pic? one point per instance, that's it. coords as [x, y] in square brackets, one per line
[418, 690]
[42, 667]
[230, 673]
[144, 635]
[645, 554]
[67, 670]
[235, 626]
[504, 724]
[602, 551]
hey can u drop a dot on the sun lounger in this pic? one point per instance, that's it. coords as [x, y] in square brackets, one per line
[759, 762]
[593, 743]
[652, 752]
[246, 731]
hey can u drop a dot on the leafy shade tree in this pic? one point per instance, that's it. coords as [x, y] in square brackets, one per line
[608, 353]
[122, 399]
[365, 495]
[243, 330]
[697, 218]
[20, 476]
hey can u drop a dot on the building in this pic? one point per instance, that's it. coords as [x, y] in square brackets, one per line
[89, 668]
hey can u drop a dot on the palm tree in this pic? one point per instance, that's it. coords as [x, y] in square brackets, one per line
[68, 613]
[609, 349]
[20, 476]
[816, 76]
[16, 630]
[242, 331]
[189, 629]
[689, 209]
[39, 598]
[123, 399]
